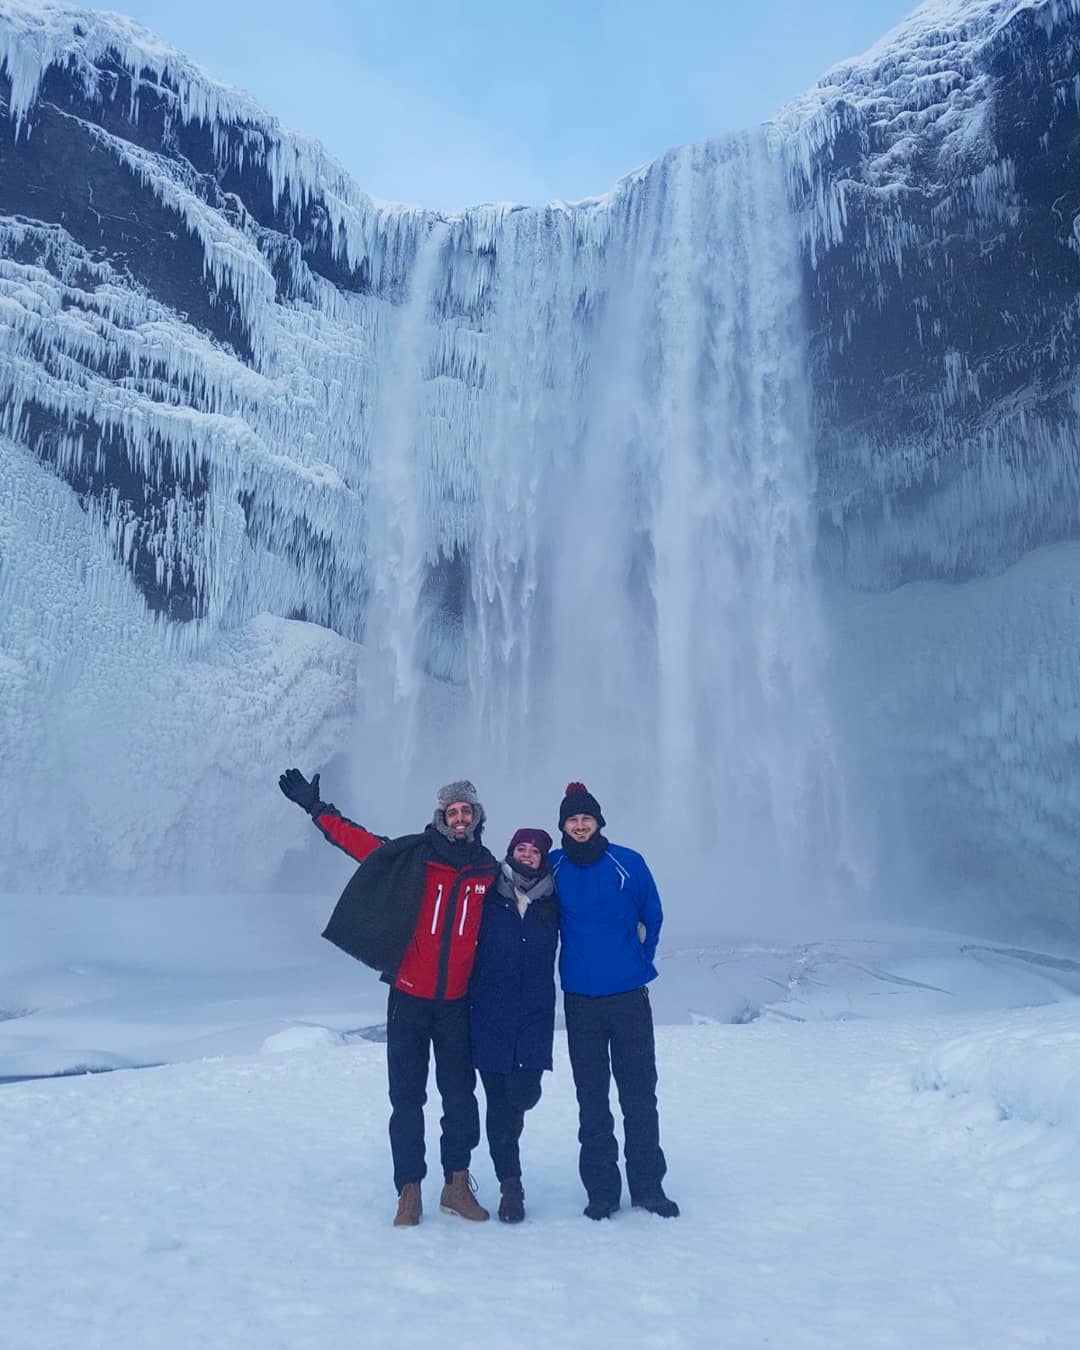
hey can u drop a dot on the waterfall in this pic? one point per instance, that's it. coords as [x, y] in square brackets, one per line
[605, 568]
[522, 495]
[398, 514]
[525, 494]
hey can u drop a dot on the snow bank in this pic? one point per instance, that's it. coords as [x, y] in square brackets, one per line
[1027, 1067]
[1003, 1099]
[869, 973]
[161, 763]
[300, 1039]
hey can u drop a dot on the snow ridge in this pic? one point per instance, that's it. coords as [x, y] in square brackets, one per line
[1027, 1070]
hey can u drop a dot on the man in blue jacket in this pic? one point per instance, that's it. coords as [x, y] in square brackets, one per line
[609, 921]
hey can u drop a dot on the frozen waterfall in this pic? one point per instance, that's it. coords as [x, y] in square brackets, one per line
[518, 494]
[595, 559]
[288, 475]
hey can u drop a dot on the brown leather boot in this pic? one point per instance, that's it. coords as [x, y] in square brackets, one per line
[409, 1206]
[458, 1198]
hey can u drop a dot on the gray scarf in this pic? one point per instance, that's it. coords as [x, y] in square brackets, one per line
[523, 890]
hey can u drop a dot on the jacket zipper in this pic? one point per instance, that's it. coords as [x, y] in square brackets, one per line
[447, 939]
[438, 902]
[464, 911]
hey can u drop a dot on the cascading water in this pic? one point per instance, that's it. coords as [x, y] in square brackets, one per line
[537, 481]
[629, 497]
[400, 472]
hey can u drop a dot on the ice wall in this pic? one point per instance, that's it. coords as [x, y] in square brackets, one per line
[964, 725]
[939, 192]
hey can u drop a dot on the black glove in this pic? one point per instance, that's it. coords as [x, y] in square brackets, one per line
[297, 788]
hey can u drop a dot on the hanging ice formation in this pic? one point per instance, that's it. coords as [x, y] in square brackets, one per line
[541, 481]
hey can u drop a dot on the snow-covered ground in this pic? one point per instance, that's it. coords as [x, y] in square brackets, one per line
[911, 1184]
[874, 1141]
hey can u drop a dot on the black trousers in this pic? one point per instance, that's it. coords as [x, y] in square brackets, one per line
[609, 1035]
[509, 1096]
[413, 1027]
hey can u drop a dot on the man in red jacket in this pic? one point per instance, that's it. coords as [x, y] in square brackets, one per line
[417, 906]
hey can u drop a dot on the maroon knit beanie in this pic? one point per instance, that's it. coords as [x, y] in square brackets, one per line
[540, 839]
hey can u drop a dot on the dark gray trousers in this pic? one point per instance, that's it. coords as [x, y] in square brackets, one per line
[613, 1035]
[509, 1096]
[415, 1026]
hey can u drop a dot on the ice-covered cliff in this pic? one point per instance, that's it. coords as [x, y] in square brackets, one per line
[592, 488]
[939, 188]
[938, 181]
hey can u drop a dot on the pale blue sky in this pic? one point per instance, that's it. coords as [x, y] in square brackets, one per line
[452, 102]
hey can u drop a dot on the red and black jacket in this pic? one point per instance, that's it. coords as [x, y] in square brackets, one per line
[439, 951]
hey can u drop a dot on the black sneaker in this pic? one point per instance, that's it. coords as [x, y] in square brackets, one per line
[601, 1209]
[512, 1203]
[656, 1202]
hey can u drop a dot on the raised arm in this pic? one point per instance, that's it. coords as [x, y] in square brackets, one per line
[351, 838]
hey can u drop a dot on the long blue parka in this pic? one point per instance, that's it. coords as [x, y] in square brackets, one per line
[600, 906]
[512, 990]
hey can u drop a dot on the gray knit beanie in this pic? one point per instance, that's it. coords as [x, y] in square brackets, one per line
[461, 791]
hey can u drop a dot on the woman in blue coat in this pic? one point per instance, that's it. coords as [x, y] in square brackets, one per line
[512, 1003]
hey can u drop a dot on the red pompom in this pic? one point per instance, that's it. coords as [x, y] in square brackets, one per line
[575, 787]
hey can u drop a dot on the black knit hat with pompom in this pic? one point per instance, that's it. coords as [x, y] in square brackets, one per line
[579, 801]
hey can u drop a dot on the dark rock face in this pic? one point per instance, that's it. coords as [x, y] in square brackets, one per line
[944, 318]
[65, 175]
[67, 172]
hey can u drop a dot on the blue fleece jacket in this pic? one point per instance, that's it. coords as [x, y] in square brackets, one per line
[600, 907]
